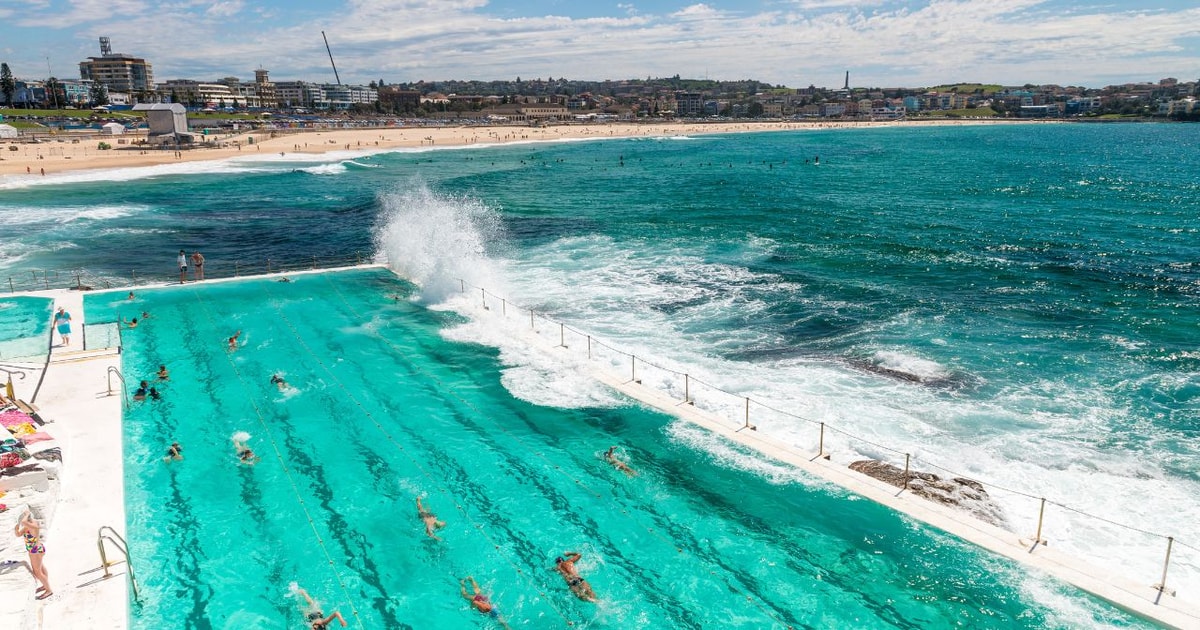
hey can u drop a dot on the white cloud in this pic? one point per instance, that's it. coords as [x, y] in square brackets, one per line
[225, 9]
[1009, 41]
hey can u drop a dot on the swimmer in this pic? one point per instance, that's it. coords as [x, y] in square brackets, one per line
[313, 614]
[565, 565]
[431, 521]
[283, 279]
[145, 315]
[233, 341]
[154, 394]
[610, 456]
[174, 453]
[131, 295]
[162, 373]
[480, 601]
[278, 381]
[132, 323]
[244, 454]
[142, 390]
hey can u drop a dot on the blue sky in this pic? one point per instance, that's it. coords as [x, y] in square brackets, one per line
[882, 43]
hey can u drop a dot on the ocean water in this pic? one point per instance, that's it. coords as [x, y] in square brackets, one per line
[1016, 304]
[380, 409]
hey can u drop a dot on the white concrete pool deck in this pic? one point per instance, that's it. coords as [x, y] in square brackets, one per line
[74, 401]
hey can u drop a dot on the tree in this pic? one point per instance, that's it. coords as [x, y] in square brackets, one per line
[7, 85]
[98, 95]
[52, 92]
[755, 110]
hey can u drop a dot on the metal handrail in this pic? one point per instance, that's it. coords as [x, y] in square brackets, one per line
[112, 369]
[121, 546]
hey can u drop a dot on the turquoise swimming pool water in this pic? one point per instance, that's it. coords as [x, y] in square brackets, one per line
[24, 328]
[384, 410]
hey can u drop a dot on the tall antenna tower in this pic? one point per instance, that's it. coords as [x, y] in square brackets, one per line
[335, 74]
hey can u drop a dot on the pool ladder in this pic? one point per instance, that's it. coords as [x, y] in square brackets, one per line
[121, 546]
[124, 393]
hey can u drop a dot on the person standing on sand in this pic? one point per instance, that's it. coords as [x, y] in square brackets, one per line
[182, 267]
[198, 266]
[62, 321]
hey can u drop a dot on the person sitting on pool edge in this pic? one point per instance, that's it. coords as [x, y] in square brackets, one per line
[565, 565]
[431, 521]
[174, 453]
[142, 390]
[313, 614]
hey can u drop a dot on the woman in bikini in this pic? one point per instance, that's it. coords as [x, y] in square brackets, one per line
[28, 528]
[315, 617]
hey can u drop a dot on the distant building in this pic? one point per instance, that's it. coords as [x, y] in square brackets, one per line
[118, 72]
[689, 104]
[265, 89]
[168, 123]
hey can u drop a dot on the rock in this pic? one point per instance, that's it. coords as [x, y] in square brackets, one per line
[966, 494]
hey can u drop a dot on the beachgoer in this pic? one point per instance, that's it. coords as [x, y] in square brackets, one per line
[313, 614]
[244, 454]
[233, 341]
[278, 381]
[28, 528]
[431, 521]
[478, 599]
[174, 453]
[182, 267]
[198, 266]
[62, 321]
[610, 456]
[565, 565]
[162, 373]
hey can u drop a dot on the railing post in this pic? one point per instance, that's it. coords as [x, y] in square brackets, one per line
[562, 339]
[236, 269]
[11, 288]
[268, 265]
[483, 296]
[314, 264]
[504, 307]
[462, 284]
[78, 282]
[821, 442]
[589, 347]
[1037, 538]
[1161, 587]
[357, 258]
[687, 397]
[531, 318]
[133, 275]
[906, 458]
[748, 414]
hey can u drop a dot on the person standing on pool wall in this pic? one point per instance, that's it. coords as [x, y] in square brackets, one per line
[182, 266]
[62, 321]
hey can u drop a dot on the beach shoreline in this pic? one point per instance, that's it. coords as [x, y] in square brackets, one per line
[71, 153]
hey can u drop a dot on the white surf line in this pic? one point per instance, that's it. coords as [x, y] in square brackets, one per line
[1142, 600]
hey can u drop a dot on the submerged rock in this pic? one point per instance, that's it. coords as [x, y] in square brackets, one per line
[966, 494]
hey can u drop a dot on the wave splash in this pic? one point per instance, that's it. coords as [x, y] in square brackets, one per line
[436, 239]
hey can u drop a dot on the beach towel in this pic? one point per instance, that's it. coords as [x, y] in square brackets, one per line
[34, 438]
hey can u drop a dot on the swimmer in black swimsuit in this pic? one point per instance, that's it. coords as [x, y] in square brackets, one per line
[315, 617]
[565, 565]
[174, 453]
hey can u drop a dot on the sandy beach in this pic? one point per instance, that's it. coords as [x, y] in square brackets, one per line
[71, 152]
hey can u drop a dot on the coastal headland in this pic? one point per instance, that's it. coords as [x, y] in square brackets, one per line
[53, 155]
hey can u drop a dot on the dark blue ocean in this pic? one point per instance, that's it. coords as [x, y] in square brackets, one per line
[1017, 304]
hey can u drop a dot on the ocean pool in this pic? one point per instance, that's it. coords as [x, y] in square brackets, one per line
[382, 409]
[24, 328]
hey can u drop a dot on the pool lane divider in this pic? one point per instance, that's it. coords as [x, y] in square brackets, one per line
[443, 387]
[283, 465]
[350, 396]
